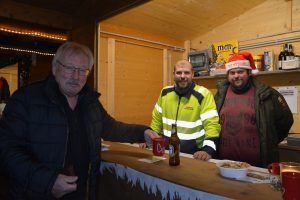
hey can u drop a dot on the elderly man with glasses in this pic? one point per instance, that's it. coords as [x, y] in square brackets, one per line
[50, 133]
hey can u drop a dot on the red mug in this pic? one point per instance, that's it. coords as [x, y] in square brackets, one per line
[158, 146]
[274, 168]
[290, 185]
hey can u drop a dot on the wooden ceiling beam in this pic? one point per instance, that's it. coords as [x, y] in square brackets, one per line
[30, 14]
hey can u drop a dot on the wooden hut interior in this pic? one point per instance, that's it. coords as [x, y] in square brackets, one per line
[137, 42]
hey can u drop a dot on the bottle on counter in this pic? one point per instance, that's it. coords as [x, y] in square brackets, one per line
[281, 57]
[286, 56]
[268, 60]
[174, 147]
[291, 52]
[286, 53]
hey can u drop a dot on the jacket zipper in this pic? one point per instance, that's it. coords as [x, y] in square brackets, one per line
[66, 144]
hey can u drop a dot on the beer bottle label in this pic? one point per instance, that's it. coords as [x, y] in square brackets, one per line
[171, 151]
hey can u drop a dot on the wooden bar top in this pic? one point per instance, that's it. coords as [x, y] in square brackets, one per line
[289, 147]
[195, 174]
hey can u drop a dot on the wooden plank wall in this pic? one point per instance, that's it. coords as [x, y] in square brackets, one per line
[138, 79]
[269, 18]
[132, 73]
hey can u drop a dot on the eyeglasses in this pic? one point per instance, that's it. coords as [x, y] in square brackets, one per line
[70, 69]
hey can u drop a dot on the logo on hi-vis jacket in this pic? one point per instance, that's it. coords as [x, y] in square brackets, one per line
[189, 108]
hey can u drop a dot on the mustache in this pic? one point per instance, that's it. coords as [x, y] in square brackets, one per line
[182, 80]
[73, 82]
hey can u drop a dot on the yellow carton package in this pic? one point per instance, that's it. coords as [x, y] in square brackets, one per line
[221, 51]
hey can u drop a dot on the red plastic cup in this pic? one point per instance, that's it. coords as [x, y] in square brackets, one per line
[274, 168]
[290, 185]
[158, 146]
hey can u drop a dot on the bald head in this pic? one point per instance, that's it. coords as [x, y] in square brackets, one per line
[183, 63]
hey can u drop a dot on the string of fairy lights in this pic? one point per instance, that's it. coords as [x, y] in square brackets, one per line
[27, 51]
[32, 33]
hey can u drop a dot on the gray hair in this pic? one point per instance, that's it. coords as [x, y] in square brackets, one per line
[70, 48]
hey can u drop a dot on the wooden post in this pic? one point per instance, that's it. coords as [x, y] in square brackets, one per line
[187, 46]
[165, 67]
[111, 77]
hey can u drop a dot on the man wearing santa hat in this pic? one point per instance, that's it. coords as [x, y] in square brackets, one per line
[254, 117]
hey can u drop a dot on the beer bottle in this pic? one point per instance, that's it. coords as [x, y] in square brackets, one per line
[174, 147]
[281, 58]
[292, 55]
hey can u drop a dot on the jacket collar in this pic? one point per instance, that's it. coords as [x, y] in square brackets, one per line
[187, 92]
[261, 90]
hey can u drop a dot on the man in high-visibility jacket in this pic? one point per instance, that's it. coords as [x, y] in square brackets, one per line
[193, 109]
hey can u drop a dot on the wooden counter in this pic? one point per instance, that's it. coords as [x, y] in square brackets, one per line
[289, 153]
[191, 173]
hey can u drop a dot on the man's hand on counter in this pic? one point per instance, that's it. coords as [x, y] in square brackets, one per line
[149, 136]
[202, 155]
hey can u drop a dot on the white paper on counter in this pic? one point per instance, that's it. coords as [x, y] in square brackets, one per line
[104, 147]
[152, 159]
[291, 96]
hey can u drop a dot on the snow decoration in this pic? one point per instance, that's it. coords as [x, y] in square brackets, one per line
[156, 185]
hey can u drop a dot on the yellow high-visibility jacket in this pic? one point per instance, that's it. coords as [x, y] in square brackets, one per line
[197, 122]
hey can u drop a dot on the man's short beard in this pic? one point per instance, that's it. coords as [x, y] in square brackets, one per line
[182, 91]
[241, 89]
[183, 88]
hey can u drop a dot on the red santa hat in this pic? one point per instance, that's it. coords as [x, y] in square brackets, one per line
[241, 60]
